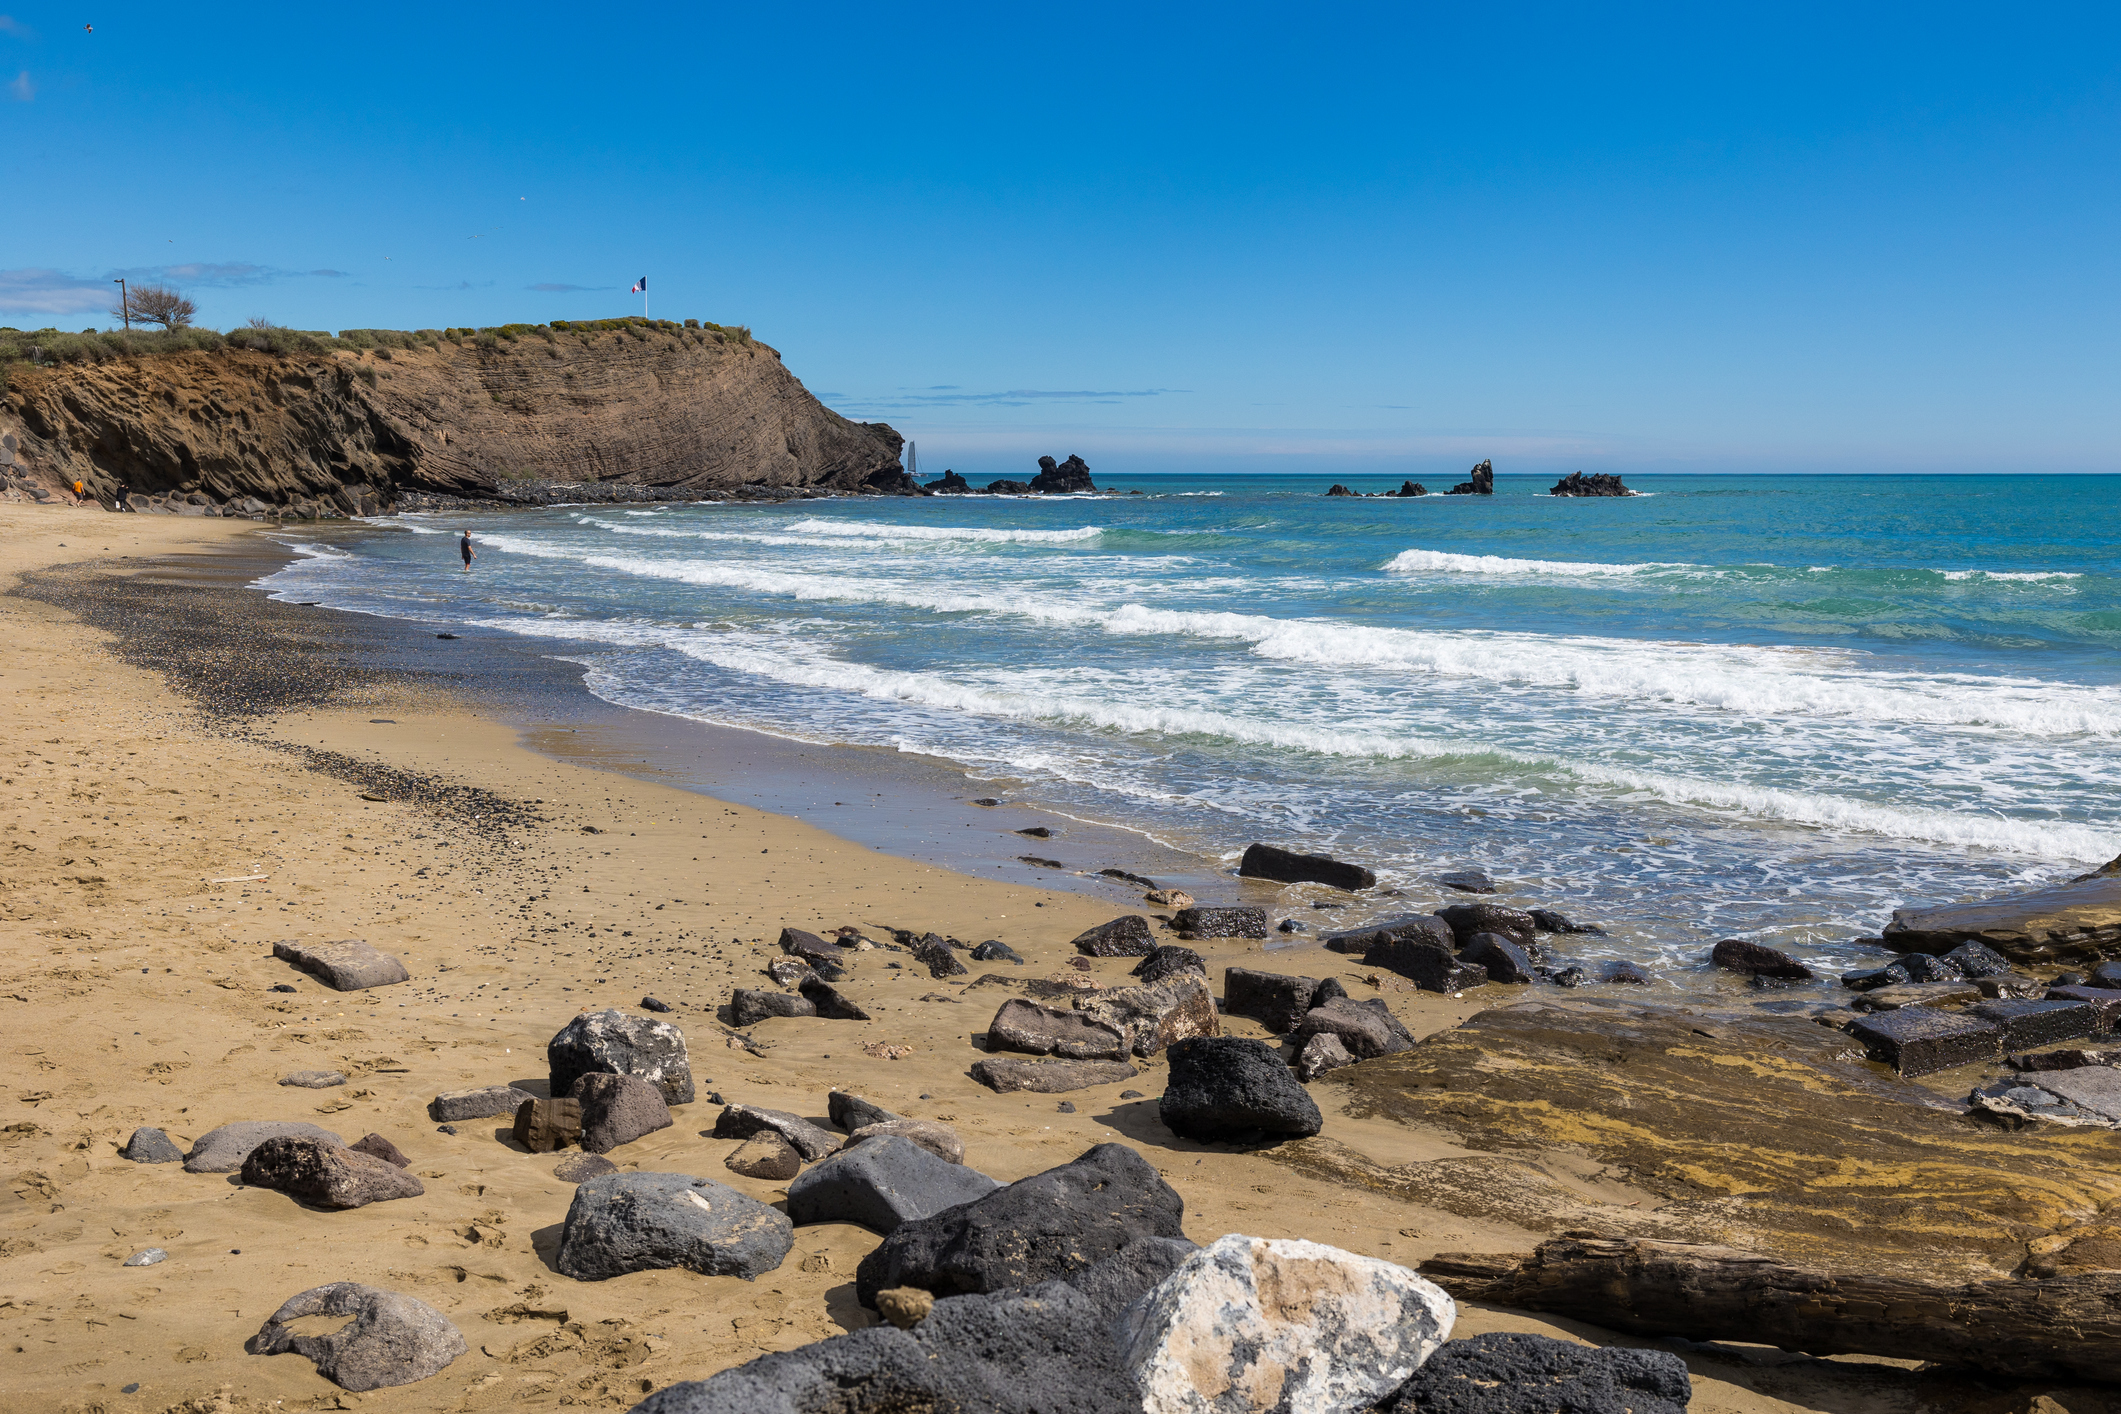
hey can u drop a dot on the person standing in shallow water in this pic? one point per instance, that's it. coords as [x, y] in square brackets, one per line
[464, 548]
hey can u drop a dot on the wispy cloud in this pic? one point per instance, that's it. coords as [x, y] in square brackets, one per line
[459, 285]
[10, 25]
[214, 275]
[22, 88]
[36, 290]
[220, 275]
[567, 289]
[41, 291]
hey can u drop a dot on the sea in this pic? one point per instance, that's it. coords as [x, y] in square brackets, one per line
[1764, 707]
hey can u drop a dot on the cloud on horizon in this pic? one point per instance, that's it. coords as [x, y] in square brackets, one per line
[39, 290]
[568, 289]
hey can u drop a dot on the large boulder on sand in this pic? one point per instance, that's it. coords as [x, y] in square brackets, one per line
[1044, 1349]
[346, 966]
[1251, 1323]
[1242, 921]
[1006, 1074]
[1168, 961]
[1123, 937]
[1511, 1372]
[1265, 861]
[1428, 964]
[882, 1183]
[1230, 1088]
[748, 1006]
[223, 1149]
[618, 1044]
[851, 1112]
[482, 1103]
[634, 1222]
[1036, 1229]
[1048, 1031]
[1367, 1029]
[617, 1109]
[1275, 1000]
[1152, 1017]
[1323, 1052]
[151, 1146]
[936, 1137]
[743, 1121]
[326, 1175]
[391, 1340]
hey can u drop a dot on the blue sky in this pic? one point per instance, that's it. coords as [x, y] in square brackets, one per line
[1331, 238]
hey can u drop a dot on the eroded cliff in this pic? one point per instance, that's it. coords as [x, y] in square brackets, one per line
[352, 428]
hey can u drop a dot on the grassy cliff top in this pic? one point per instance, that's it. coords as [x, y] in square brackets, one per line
[49, 347]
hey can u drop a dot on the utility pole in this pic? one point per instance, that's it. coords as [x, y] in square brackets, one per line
[125, 304]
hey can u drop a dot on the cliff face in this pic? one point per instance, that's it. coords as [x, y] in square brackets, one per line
[345, 429]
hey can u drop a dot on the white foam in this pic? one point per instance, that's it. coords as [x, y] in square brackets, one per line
[1444, 562]
[787, 663]
[2009, 575]
[884, 530]
[1746, 680]
[311, 551]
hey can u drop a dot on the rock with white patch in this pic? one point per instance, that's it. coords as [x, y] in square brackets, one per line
[617, 1044]
[1251, 1324]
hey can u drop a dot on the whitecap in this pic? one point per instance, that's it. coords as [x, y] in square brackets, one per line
[1444, 562]
[885, 530]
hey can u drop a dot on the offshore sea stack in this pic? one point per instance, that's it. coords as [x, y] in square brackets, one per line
[1599, 484]
[1482, 482]
[1064, 478]
[343, 431]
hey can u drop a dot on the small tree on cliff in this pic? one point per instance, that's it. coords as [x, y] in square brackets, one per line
[157, 304]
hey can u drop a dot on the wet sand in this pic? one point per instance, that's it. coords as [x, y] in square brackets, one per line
[210, 772]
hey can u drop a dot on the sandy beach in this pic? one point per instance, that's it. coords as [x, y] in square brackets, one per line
[161, 834]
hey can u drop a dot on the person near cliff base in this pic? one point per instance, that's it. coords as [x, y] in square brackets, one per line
[80, 492]
[464, 548]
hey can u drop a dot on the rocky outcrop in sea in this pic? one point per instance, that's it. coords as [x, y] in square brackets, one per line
[1481, 482]
[1598, 484]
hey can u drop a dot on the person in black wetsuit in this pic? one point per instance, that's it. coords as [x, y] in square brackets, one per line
[464, 548]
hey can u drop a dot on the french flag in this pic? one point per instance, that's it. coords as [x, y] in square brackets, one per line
[640, 287]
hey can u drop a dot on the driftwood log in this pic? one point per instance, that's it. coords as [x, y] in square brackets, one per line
[2068, 1326]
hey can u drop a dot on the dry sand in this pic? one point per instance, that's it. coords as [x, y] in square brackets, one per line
[149, 857]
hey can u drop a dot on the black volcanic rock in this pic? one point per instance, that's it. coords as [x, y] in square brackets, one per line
[1006, 487]
[1071, 475]
[1482, 483]
[1231, 1088]
[892, 481]
[950, 484]
[1599, 484]
[1409, 488]
[1339, 490]
[1035, 1229]
[1265, 861]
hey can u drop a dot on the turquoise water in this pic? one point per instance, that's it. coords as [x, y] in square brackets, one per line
[1770, 707]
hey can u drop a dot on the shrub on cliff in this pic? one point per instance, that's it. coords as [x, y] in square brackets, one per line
[48, 346]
